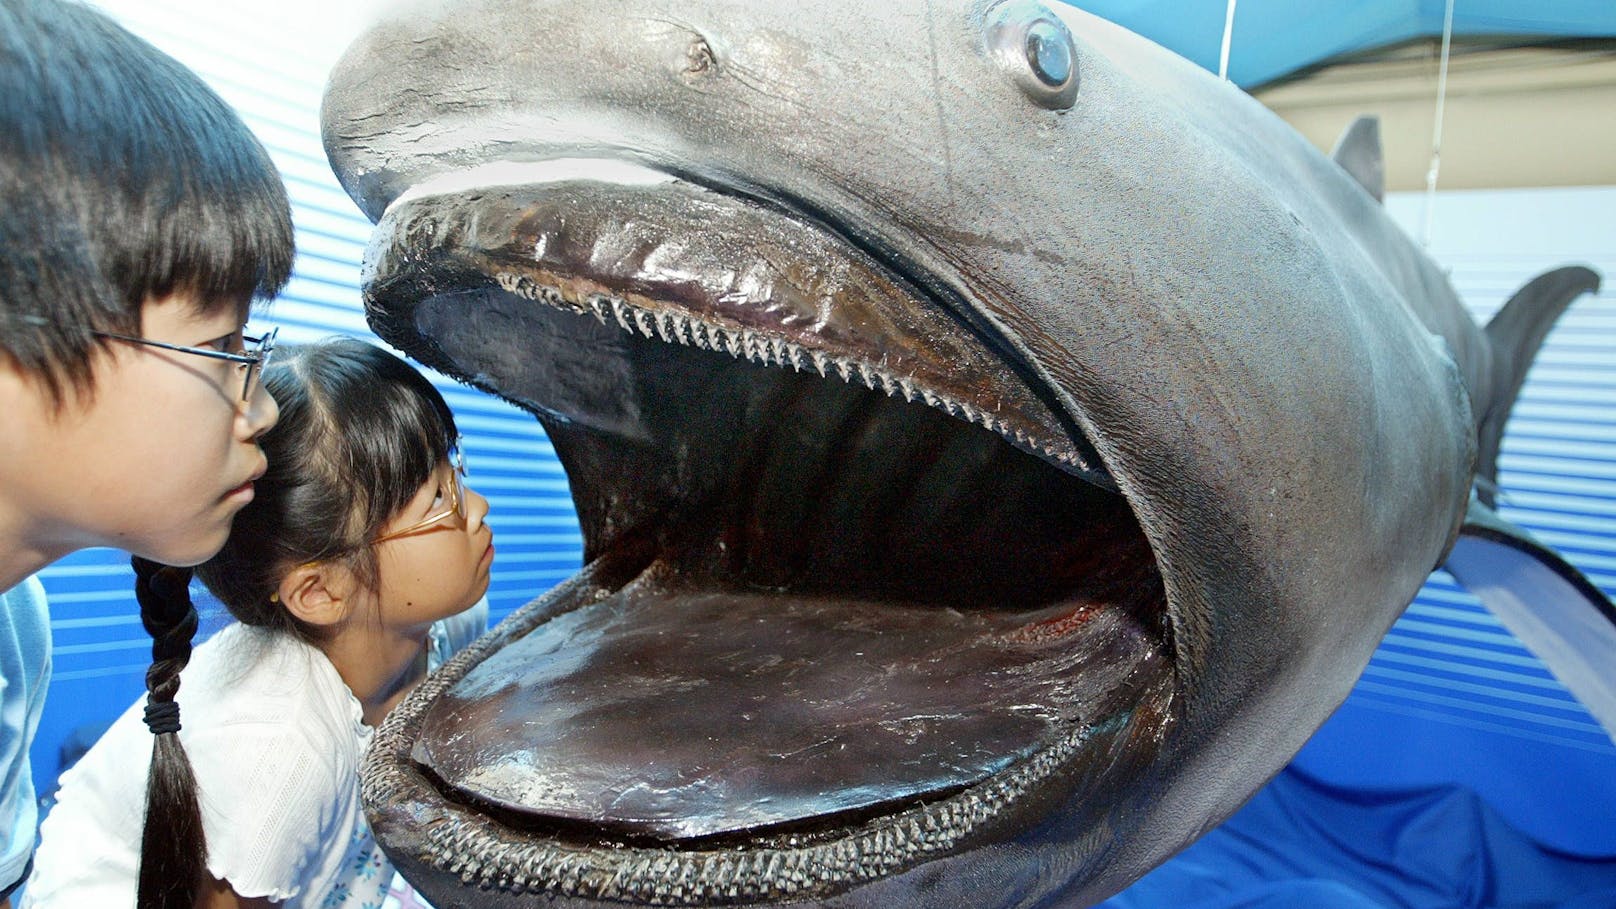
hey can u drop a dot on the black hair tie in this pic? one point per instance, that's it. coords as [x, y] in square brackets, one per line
[162, 716]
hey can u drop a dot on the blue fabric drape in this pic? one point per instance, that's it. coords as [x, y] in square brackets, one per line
[1301, 842]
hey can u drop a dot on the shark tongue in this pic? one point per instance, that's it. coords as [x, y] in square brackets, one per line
[663, 712]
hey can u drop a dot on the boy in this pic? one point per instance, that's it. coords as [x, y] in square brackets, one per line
[138, 220]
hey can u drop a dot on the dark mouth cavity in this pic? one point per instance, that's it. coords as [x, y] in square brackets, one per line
[856, 568]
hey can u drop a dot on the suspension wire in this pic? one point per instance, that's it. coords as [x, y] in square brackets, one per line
[1228, 32]
[1436, 135]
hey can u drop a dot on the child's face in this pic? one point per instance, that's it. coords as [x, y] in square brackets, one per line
[162, 455]
[441, 569]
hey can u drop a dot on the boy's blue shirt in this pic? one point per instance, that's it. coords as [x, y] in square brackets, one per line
[25, 668]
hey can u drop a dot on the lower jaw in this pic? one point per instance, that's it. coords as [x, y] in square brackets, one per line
[456, 848]
[564, 699]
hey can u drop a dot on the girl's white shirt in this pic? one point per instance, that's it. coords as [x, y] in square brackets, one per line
[276, 740]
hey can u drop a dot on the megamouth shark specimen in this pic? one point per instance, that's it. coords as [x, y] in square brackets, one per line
[998, 445]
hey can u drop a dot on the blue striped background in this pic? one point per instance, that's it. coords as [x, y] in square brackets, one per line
[1557, 470]
[1448, 684]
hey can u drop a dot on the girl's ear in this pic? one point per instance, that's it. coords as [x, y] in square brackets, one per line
[319, 593]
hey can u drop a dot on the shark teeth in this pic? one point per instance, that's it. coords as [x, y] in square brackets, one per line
[620, 313]
[742, 343]
[820, 358]
[646, 323]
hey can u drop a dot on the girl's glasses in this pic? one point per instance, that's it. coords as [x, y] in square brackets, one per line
[455, 506]
[252, 359]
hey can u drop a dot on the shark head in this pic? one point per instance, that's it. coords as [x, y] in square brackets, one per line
[998, 443]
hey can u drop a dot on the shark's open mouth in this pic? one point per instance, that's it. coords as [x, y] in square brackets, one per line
[855, 597]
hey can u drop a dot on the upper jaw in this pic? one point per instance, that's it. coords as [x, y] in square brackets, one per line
[686, 264]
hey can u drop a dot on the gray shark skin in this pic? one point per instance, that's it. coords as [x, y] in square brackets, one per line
[998, 443]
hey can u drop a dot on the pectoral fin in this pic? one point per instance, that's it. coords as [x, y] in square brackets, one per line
[1551, 606]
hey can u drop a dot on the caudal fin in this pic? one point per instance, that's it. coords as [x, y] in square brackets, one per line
[1516, 333]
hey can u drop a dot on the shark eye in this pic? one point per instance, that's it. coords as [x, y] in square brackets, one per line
[1036, 50]
[1049, 53]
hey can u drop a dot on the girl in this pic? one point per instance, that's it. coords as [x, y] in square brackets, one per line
[353, 572]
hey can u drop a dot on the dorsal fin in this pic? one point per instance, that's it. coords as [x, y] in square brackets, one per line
[1358, 153]
[1516, 333]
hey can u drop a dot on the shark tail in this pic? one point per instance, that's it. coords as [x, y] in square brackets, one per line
[1554, 609]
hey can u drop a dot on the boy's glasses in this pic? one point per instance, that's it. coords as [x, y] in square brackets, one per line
[456, 506]
[253, 358]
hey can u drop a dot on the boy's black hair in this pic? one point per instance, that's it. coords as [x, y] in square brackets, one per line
[123, 178]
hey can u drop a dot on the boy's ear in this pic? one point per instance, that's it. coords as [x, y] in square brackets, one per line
[31, 414]
[25, 394]
[17, 385]
[319, 593]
